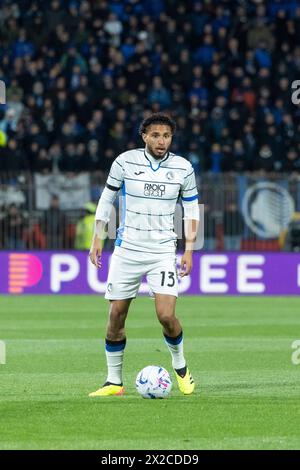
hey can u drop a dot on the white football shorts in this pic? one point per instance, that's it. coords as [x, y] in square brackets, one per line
[127, 267]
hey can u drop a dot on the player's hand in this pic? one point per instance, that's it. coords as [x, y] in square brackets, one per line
[186, 263]
[96, 252]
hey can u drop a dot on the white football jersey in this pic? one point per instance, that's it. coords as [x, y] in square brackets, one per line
[149, 192]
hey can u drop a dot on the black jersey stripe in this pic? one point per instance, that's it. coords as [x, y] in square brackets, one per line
[119, 164]
[164, 167]
[184, 190]
[117, 179]
[152, 215]
[189, 174]
[138, 164]
[150, 230]
[173, 168]
[113, 188]
[143, 251]
[151, 182]
[169, 240]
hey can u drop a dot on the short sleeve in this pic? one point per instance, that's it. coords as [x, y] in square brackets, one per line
[189, 190]
[116, 174]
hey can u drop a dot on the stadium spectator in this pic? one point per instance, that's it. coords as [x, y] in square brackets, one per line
[209, 229]
[85, 70]
[52, 222]
[11, 193]
[12, 158]
[12, 229]
[85, 228]
[233, 225]
[159, 94]
[289, 239]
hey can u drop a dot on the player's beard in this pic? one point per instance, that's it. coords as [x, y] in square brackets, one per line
[154, 155]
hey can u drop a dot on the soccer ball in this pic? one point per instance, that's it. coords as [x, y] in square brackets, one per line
[153, 382]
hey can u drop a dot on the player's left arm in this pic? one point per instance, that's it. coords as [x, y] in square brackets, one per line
[189, 197]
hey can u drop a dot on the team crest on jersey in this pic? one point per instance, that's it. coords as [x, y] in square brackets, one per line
[170, 175]
[154, 189]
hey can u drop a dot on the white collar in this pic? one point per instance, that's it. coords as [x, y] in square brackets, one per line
[155, 160]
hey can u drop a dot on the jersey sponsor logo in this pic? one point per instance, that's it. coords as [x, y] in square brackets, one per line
[154, 189]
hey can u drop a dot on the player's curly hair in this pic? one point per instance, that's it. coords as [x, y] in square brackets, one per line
[157, 118]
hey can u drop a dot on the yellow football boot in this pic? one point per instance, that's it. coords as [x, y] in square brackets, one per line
[186, 384]
[108, 390]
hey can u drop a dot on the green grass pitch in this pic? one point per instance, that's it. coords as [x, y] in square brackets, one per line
[238, 349]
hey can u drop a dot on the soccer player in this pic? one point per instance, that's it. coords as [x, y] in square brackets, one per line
[150, 179]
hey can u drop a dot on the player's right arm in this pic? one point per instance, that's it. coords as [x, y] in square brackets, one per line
[113, 184]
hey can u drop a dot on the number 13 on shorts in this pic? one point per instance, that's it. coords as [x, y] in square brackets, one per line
[163, 278]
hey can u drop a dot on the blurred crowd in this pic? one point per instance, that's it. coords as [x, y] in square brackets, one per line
[51, 229]
[81, 74]
[55, 228]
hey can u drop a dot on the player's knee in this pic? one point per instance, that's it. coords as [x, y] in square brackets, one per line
[166, 318]
[118, 311]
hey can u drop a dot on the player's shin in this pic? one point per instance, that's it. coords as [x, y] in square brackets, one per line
[114, 351]
[175, 346]
[184, 378]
